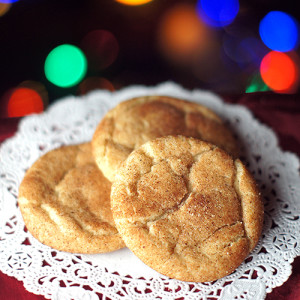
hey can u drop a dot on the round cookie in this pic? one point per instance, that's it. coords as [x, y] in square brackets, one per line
[136, 121]
[186, 208]
[65, 202]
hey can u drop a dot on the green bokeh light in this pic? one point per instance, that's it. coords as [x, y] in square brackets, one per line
[256, 85]
[65, 66]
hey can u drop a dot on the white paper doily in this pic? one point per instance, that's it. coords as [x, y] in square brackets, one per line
[120, 275]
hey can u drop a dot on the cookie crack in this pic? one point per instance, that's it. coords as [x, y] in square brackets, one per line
[105, 147]
[55, 216]
[235, 241]
[133, 187]
[188, 268]
[220, 228]
[110, 137]
[113, 141]
[177, 206]
[168, 211]
[199, 155]
[210, 258]
[187, 181]
[235, 185]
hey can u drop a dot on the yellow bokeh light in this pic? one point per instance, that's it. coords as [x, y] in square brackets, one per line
[181, 34]
[4, 8]
[133, 2]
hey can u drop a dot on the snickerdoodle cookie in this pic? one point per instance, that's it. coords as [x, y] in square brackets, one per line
[136, 121]
[65, 202]
[186, 208]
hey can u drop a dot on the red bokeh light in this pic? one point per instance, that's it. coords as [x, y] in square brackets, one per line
[24, 101]
[279, 71]
[101, 49]
[39, 88]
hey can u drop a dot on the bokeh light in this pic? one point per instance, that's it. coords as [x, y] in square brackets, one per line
[133, 2]
[65, 65]
[101, 49]
[244, 49]
[4, 8]
[24, 101]
[94, 83]
[218, 13]
[279, 71]
[279, 31]
[181, 34]
[256, 85]
[8, 1]
[39, 88]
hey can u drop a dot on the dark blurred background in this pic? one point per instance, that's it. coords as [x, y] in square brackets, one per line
[127, 44]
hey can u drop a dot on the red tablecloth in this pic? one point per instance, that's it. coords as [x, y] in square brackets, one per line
[280, 112]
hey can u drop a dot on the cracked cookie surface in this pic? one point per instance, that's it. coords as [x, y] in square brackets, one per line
[136, 121]
[65, 202]
[186, 208]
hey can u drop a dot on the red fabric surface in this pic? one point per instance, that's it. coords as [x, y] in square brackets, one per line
[280, 112]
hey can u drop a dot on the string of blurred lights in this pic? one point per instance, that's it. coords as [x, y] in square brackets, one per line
[202, 37]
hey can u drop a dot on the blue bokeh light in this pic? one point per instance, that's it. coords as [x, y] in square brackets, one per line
[244, 50]
[8, 1]
[279, 31]
[218, 13]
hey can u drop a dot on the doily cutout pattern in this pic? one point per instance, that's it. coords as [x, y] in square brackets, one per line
[59, 275]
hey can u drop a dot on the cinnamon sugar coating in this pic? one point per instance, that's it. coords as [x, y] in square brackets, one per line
[65, 202]
[186, 208]
[136, 121]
